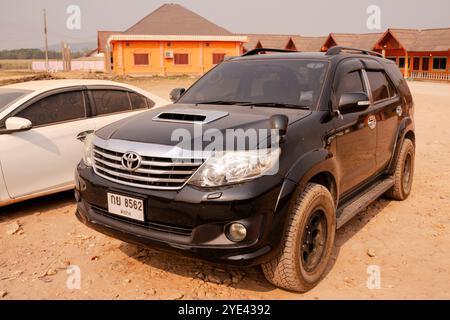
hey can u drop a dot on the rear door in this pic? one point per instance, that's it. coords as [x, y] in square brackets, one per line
[110, 104]
[387, 106]
[44, 158]
[356, 139]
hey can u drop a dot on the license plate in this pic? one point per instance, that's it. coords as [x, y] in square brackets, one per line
[127, 207]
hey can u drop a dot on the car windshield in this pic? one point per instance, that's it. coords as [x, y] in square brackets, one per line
[8, 96]
[293, 83]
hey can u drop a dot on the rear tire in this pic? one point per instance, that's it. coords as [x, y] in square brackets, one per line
[404, 172]
[308, 242]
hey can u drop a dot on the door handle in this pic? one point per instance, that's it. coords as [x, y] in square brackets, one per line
[82, 135]
[372, 122]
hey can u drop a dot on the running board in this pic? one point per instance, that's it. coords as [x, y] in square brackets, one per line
[360, 203]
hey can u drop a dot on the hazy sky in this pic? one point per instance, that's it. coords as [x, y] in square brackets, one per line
[21, 20]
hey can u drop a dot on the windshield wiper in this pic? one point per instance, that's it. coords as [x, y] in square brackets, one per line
[276, 105]
[225, 102]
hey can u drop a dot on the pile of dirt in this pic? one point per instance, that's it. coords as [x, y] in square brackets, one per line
[33, 77]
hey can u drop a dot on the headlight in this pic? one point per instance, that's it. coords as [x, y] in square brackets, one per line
[88, 153]
[231, 167]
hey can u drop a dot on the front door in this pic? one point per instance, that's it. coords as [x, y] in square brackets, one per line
[44, 158]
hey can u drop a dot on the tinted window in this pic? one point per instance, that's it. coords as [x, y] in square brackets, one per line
[140, 102]
[111, 101]
[141, 59]
[351, 82]
[439, 63]
[425, 64]
[218, 58]
[60, 107]
[287, 81]
[379, 85]
[181, 58]
[8, 96]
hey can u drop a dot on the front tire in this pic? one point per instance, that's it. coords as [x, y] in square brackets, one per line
[404, 172]
[308, 242]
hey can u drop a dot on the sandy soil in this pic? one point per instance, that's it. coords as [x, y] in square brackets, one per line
[409, 241]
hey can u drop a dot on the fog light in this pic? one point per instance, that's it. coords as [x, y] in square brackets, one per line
[236, 232]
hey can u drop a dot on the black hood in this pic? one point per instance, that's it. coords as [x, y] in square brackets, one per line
[143, 127]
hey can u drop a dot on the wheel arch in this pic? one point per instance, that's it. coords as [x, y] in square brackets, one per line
[405, 131]
[318, 166]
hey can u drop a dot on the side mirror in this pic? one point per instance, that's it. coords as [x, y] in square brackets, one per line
[353, 102]
[15, 124]
[176, 94]
[280, 122]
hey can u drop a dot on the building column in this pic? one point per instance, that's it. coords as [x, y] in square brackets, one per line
[238, 48]
[107, 58]
[120, 68]
[201, 57]
[162, 60]
[406, 75]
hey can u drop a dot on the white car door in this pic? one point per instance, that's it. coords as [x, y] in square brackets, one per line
[44, 158]
[113, 104]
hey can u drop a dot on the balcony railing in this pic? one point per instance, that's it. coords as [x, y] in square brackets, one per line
[427, 75]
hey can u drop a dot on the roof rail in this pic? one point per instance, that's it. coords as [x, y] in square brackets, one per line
[338, 49]
[259, 50]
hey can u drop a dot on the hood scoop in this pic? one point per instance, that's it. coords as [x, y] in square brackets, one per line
[190, 116]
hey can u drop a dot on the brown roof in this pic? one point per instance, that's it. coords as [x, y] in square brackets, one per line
[308, 44]
[173, 19]
[102, 37]
[272, 41]
[422, 40]
[361, 41]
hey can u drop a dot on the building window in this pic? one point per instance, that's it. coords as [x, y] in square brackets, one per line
[218, 58]
[416, 64]
[181, 58]
[425, 64]
[401, 62]
[440, 63]
[141, 59]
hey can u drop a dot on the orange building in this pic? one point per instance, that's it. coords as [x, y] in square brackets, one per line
[420, 54]
[169, 41]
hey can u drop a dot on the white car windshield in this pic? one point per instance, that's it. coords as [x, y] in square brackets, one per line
[8, 96]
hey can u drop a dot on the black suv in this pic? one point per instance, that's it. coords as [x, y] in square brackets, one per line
[343, 122]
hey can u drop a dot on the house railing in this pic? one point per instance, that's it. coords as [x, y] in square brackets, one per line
[426, 75]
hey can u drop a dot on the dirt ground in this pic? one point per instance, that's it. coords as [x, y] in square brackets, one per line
[408, 241]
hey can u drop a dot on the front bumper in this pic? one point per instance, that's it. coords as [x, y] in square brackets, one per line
[187, 222]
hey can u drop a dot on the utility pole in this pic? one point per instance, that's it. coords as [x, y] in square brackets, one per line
[46, 42]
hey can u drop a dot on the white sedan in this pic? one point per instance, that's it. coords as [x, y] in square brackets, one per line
[43, 123]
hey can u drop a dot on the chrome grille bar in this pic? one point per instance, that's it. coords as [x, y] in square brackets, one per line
[153, 173]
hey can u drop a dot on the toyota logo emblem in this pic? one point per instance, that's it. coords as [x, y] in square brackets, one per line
[131, 161]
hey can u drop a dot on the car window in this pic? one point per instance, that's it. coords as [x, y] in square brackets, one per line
[56, 108]
[351, 82]
[140, 102]
[379, 85]
[111, 101]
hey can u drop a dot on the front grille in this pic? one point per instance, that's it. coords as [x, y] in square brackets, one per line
[154, 172]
